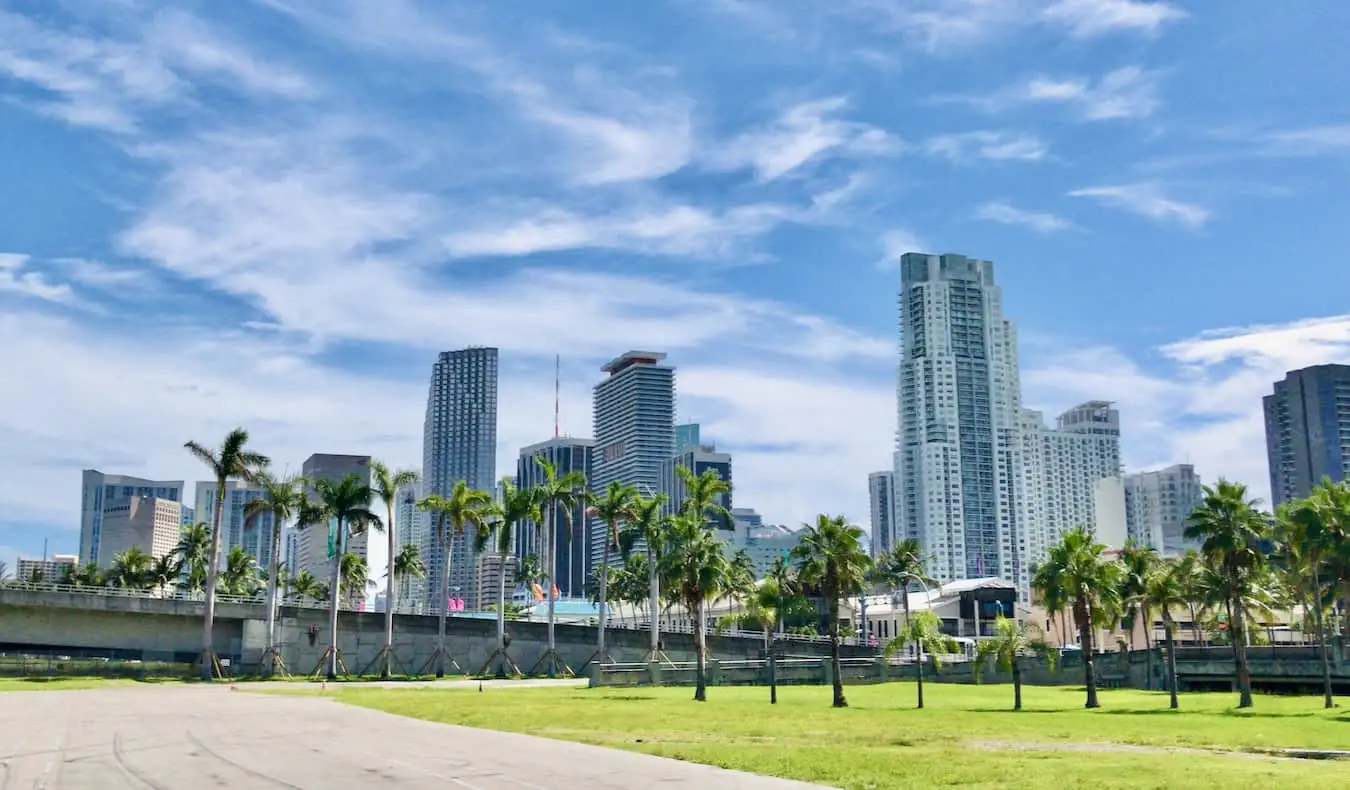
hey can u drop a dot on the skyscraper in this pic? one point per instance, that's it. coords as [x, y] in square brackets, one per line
[634, 411]
[148, 523]
[1061, 469]
[686, 436]
[697, 459]
[101, 490]
[957, 462]
[570, 536]
[1308, 430]
[459, 442]
[881, 495]
[1157, 505]
[252, 535]
[410, 593]
[317, 543]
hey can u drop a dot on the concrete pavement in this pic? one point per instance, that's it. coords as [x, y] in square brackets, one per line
[196, 737]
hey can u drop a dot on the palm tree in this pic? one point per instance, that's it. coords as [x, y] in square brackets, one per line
[194, 554]
[648, 524]
[555, 493]
[694, 563]
[233, 459]
[1232, 531]
[281, 500]
[740, 577]
[305, 585]
[761, 611]
[922, 629]
[386, 486]
[899, 568]
[131, 568]
[408, 564]
[1165, 588]
[240, 576]
[1011, 640]
[829, 556]
[704, 494]
[1138, 563]
[164, 571]
[614, 506]
[346, 504]
[463, 507]
[1090, 584]
[90, 576]
[355, 578]
[517, 506]
[1310, 531]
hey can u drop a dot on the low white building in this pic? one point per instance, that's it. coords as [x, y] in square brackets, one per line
[967, 608]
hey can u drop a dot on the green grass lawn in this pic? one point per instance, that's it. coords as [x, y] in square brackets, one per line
[68, 683]
[967, 736]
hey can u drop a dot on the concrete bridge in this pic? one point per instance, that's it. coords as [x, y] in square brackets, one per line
[88, 622]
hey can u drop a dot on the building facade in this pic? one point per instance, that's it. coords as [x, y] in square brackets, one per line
[317, 545]
[686, 436]
[881, 498]
[1157, 505]
[100, 490]
[1308, 430]
[492, 570]
[50, 570]
[410, 594]
[254, 535]
[148, 523]
[634, 416]
[459, 442]
[958, 464]
[570, 536]
[697, 460]
[1061, 471]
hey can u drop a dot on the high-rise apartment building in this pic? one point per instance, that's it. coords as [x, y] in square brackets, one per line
[958, 464]
[570, 536]
[1061, 469]
[698, 459]
[634, 413]
[150, 524]
[101, 490]
[1308, 430]
[459, 442]
[1158, 504]
[252, 535]
[410, 594]
[50, 570]
[318, 545]
[881, 496]
[493, 570]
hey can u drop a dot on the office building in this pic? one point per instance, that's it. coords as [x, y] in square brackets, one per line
[253, 535]
[318, 544]
[490, 568]
[1061, 468]
[881, 496]
[566, 454]
[189, 515]
[1308, 430]
[290, 542]
[459, 442]
[768, 543]
[410, 530]
[148, 523]
[51, 570]
[958, 464]
[699, 459]
[1158, 504]
[100, 490]
[634, 415]
[686, 436]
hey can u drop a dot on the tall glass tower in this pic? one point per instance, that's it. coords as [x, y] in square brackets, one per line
[459, 442]
[1308, 430]
[634, 413]
[570, 533]
[958, 394]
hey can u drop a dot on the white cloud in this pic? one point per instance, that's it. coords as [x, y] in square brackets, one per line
[13, 279]
[1204, 405]
[1311, 141]
[997, 146]
[1007, 214]
[1129, 92]
[1090, 18]
[804, 133]
[1147, 199]
[897, 242]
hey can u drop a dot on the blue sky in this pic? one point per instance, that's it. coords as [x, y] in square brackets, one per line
[274, 213]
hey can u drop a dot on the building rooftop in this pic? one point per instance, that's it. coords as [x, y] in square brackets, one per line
[631, 358]
[921, 601]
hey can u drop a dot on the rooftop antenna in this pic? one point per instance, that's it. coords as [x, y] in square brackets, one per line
[557, 377]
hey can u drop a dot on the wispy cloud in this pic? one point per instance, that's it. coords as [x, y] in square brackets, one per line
[1128, 92]
[1310, 141]
[14, 279]
[804, 133]
[994, 145]
[1090, 18]
[1147, 199]
[895, 243]
[1007, 214]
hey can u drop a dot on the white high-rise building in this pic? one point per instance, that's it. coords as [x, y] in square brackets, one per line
[150, 524]
[253, 535]
[101, 490]
[881, 495]
[1062, 468]
[957, 462]
[1157, 505]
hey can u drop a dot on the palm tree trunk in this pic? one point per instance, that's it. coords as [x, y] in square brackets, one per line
[1195, 624]
[550, 538]
[1238, 628]
[334, 594]
[654, 593]
[212, 571]
[1083, 617]
[501, 616]
[1328, 700]
[700, 655]
[604, 598]
[390, 599]
[270, 662]
[447, 547]
[1148, 645]
[1168, 628]
[835, 666]
[1017, 683]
